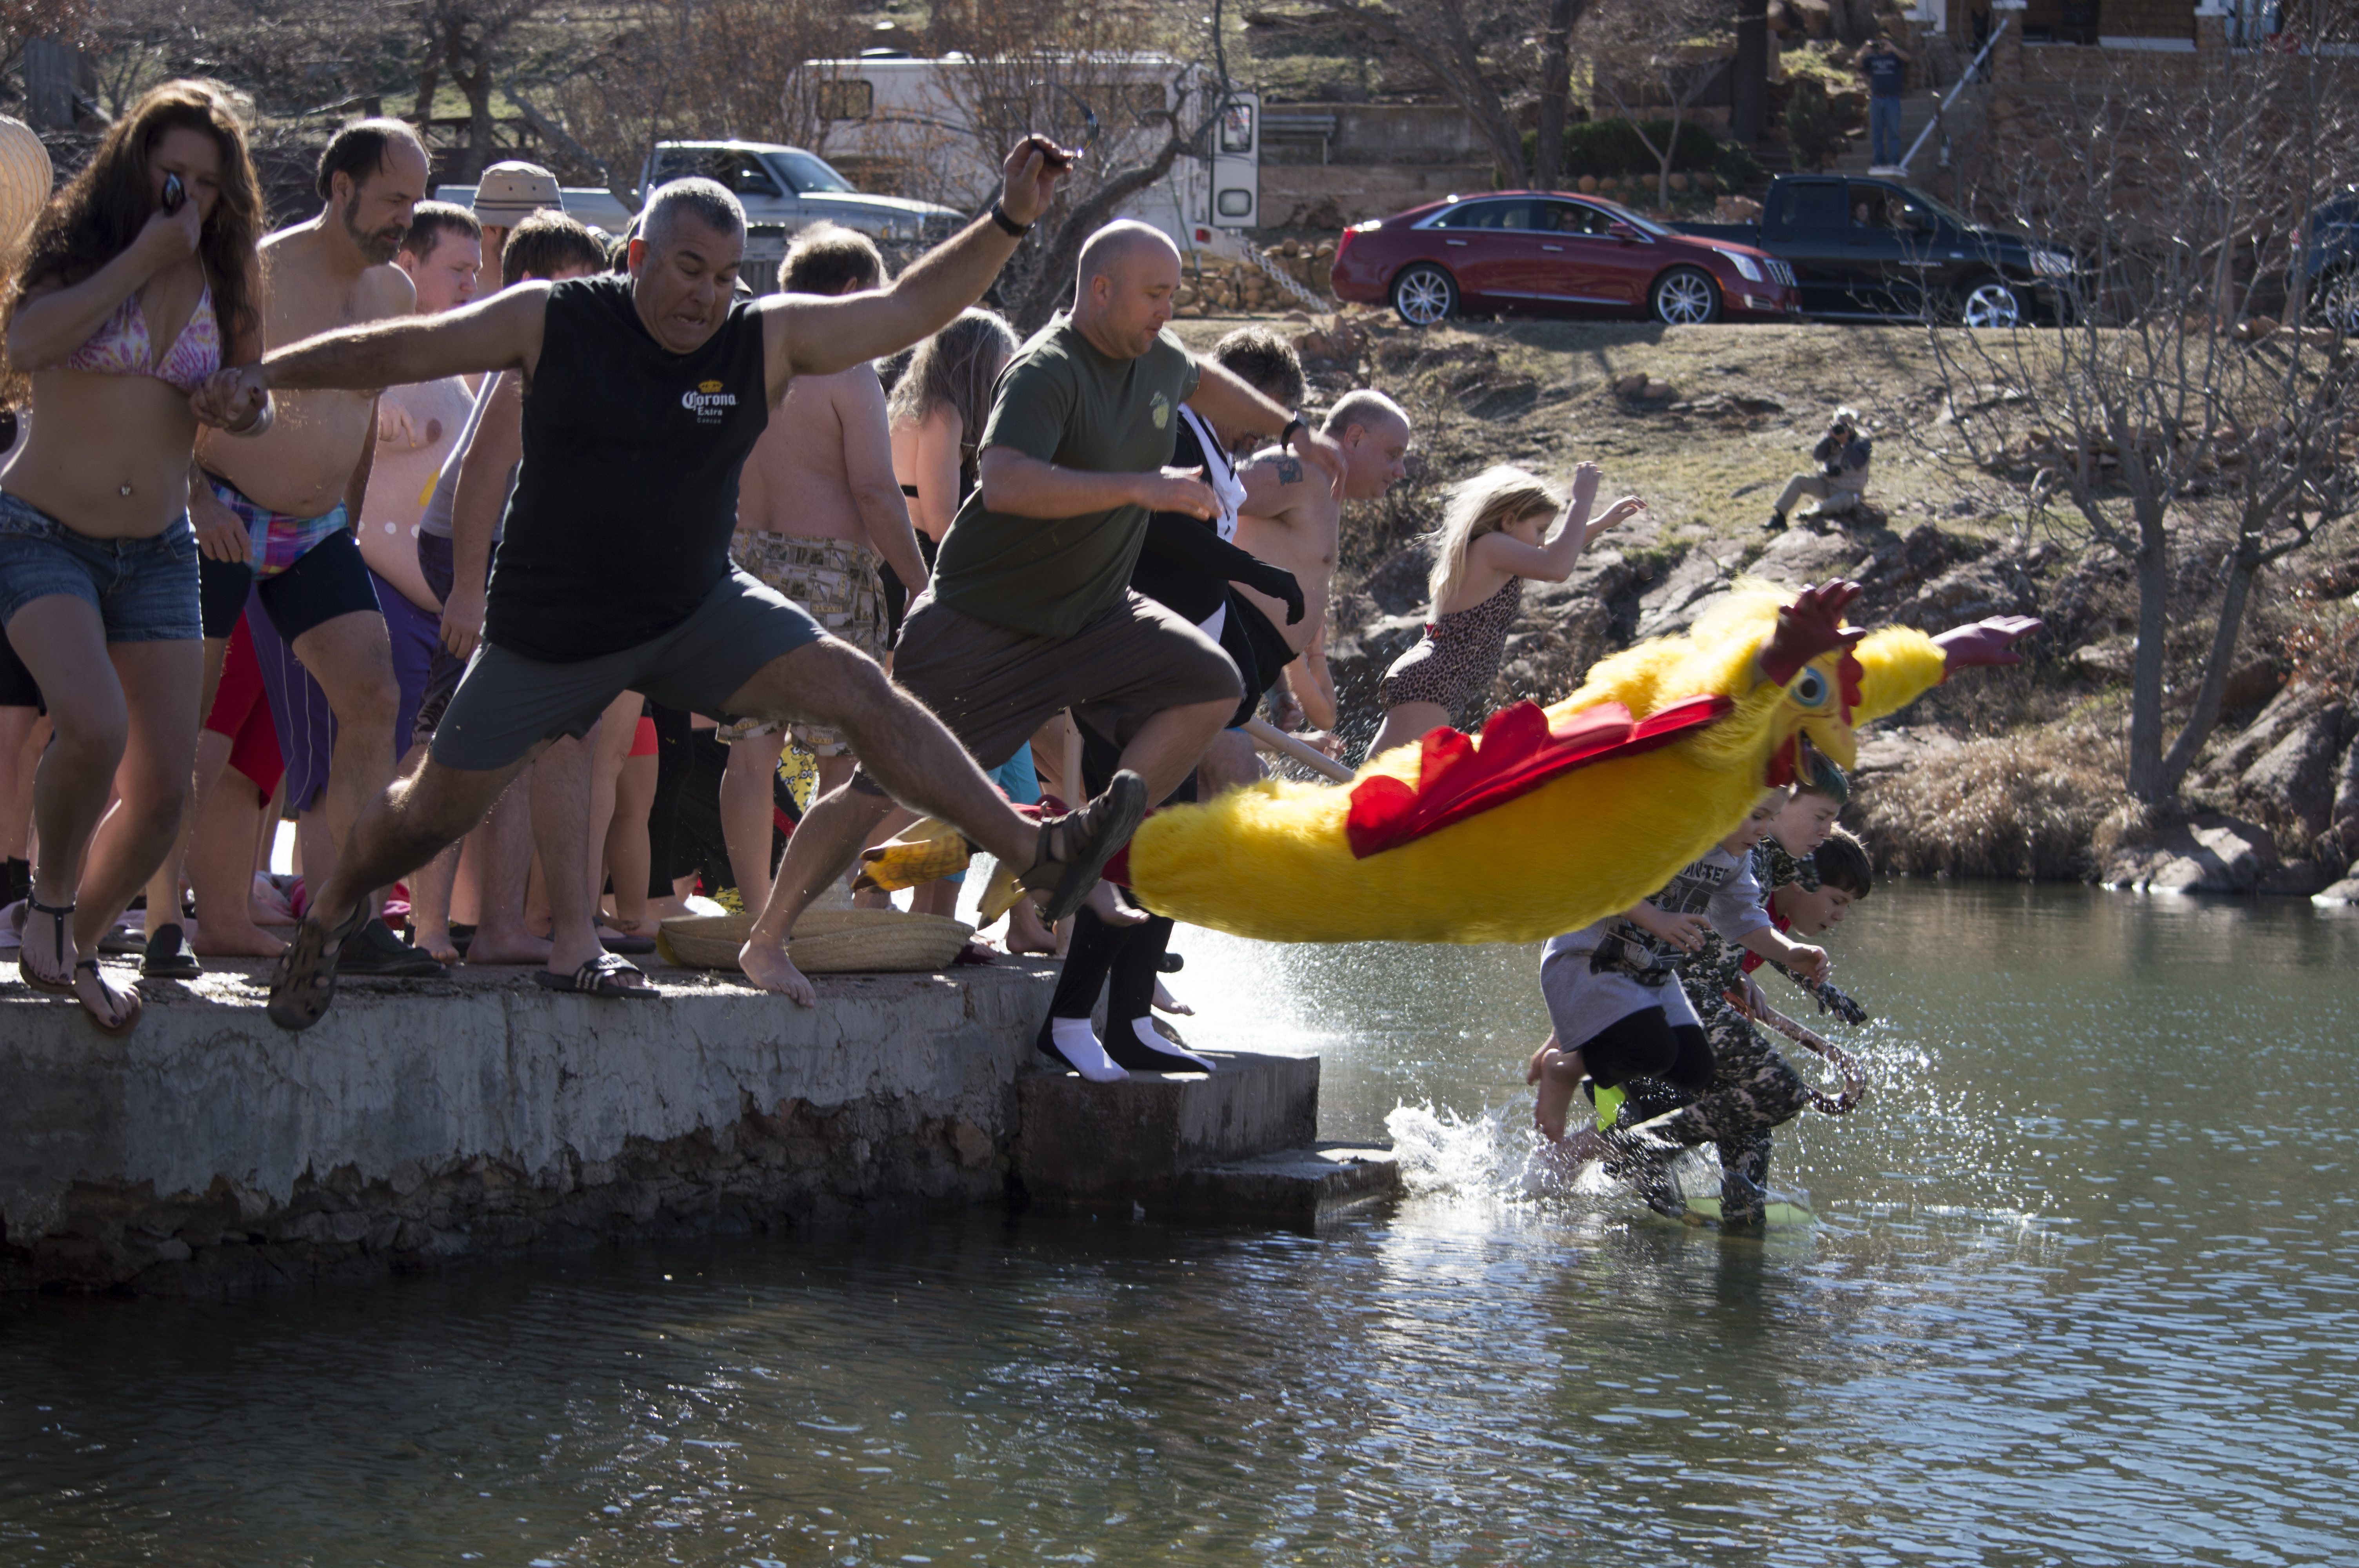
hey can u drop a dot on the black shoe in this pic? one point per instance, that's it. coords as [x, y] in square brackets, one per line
[1170, 964]
[168, 957]
[1777, 523]
[373, 950]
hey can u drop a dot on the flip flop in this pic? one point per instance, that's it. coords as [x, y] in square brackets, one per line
[1094, 836]
[304, 983]
[600, 976]
[134, 1005]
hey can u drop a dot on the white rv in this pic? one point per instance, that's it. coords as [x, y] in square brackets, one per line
[927, 127]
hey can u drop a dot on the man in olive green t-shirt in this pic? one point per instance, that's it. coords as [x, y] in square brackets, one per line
[1030, 609]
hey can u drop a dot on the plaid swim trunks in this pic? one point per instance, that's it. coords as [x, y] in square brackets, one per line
[836, 581]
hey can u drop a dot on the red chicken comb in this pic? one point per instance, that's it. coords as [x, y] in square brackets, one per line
[1810, 626]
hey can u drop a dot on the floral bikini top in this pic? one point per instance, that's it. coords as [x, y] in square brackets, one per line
[123, 346]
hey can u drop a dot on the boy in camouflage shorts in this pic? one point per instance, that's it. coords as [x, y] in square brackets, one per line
[836, 581]
[1753, 1089]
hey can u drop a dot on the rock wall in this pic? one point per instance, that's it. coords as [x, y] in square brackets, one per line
[208, 1150]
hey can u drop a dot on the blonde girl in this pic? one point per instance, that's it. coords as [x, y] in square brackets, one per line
[1503, 525]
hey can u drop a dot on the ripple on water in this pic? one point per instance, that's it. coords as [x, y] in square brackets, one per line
[2081, 1292]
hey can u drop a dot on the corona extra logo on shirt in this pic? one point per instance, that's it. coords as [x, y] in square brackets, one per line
[708, 402]
[1161, 410]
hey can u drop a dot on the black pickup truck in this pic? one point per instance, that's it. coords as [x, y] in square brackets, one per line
[1874, 249]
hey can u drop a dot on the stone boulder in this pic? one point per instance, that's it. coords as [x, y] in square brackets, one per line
[2344, 892]
[2292, 784]
[2207, 853]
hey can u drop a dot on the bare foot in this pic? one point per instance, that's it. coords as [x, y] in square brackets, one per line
[1026, 932]
[1166, 1003]
[1560, 1075]
[1110, 908]
[229, 941]
[505, 948]
[769, 967]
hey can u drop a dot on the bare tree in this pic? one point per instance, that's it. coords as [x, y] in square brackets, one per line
[1492, 57]
[2172, 422]
[1661, 54]
[669, 70]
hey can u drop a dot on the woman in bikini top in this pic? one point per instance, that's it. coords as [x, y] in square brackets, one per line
[118, 312]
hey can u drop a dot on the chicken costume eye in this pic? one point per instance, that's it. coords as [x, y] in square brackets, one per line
[1810, 688]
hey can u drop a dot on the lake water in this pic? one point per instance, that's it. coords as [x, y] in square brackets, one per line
[2082, 1289]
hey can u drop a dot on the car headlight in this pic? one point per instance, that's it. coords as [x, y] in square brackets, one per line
[1745, 266]
[2051, 263]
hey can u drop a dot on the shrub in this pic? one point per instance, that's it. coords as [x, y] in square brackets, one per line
[1810, 125]
[1614, 146]
[2035, 804]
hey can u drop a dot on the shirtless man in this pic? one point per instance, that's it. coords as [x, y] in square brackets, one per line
[416, 428]
[273, 514]
[453, 556]
[817, 507]
[1290, 518]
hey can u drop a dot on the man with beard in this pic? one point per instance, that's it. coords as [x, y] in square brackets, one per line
[274, 513]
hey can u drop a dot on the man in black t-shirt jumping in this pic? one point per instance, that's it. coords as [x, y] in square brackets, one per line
[643, 395]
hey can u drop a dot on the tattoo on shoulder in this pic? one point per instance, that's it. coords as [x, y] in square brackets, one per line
[1289, 470]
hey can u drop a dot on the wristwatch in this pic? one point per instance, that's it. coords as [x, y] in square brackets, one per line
[1295, 422]
[1009, 225]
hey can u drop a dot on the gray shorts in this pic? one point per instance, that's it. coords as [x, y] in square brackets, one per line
[508, 704]
[993, 688]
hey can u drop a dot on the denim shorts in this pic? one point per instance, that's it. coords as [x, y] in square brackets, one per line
[145, 591]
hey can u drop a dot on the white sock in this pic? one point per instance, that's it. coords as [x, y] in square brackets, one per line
[1156, 1041]
[1079, 1042]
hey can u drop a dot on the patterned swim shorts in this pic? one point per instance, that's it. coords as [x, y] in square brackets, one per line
[836, 581]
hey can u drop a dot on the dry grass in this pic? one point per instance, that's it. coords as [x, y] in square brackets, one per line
[2043, 802]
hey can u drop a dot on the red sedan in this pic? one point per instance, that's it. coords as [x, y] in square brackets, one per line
[1547, 252]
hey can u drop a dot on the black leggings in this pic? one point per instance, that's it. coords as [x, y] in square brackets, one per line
[1648, 1044]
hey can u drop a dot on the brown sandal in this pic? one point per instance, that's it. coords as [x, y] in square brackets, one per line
[1094, 836]
[305, 982]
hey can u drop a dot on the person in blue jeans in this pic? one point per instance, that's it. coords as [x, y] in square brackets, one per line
[1887, 70]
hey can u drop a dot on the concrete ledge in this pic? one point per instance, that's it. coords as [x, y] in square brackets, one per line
[422, 1121]
[1297, 1187]
[1082, 1142]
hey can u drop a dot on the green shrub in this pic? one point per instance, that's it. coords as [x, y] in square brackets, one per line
[1614, 146]
[1810, 126]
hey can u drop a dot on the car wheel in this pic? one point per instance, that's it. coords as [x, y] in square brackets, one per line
[1425, 294]
[1987, 302]
[2337, 301]
[1684, 296]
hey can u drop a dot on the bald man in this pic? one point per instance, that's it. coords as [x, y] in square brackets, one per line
[1030, 609]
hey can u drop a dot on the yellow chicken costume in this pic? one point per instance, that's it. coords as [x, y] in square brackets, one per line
[1557, 818]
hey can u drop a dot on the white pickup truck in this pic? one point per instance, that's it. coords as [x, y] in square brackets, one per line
[785, 190]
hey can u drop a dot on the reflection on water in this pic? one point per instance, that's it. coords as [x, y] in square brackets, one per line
[2081, 1292]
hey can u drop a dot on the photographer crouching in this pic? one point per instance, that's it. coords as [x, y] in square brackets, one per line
[1842, 455]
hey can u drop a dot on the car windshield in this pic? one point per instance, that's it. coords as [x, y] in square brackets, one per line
[1942, 211]
[810, 175]
[1623, 215]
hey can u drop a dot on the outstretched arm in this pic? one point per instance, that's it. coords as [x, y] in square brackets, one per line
[808, 335]
[1224, 398]
[1553, 560]
[501, 333]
